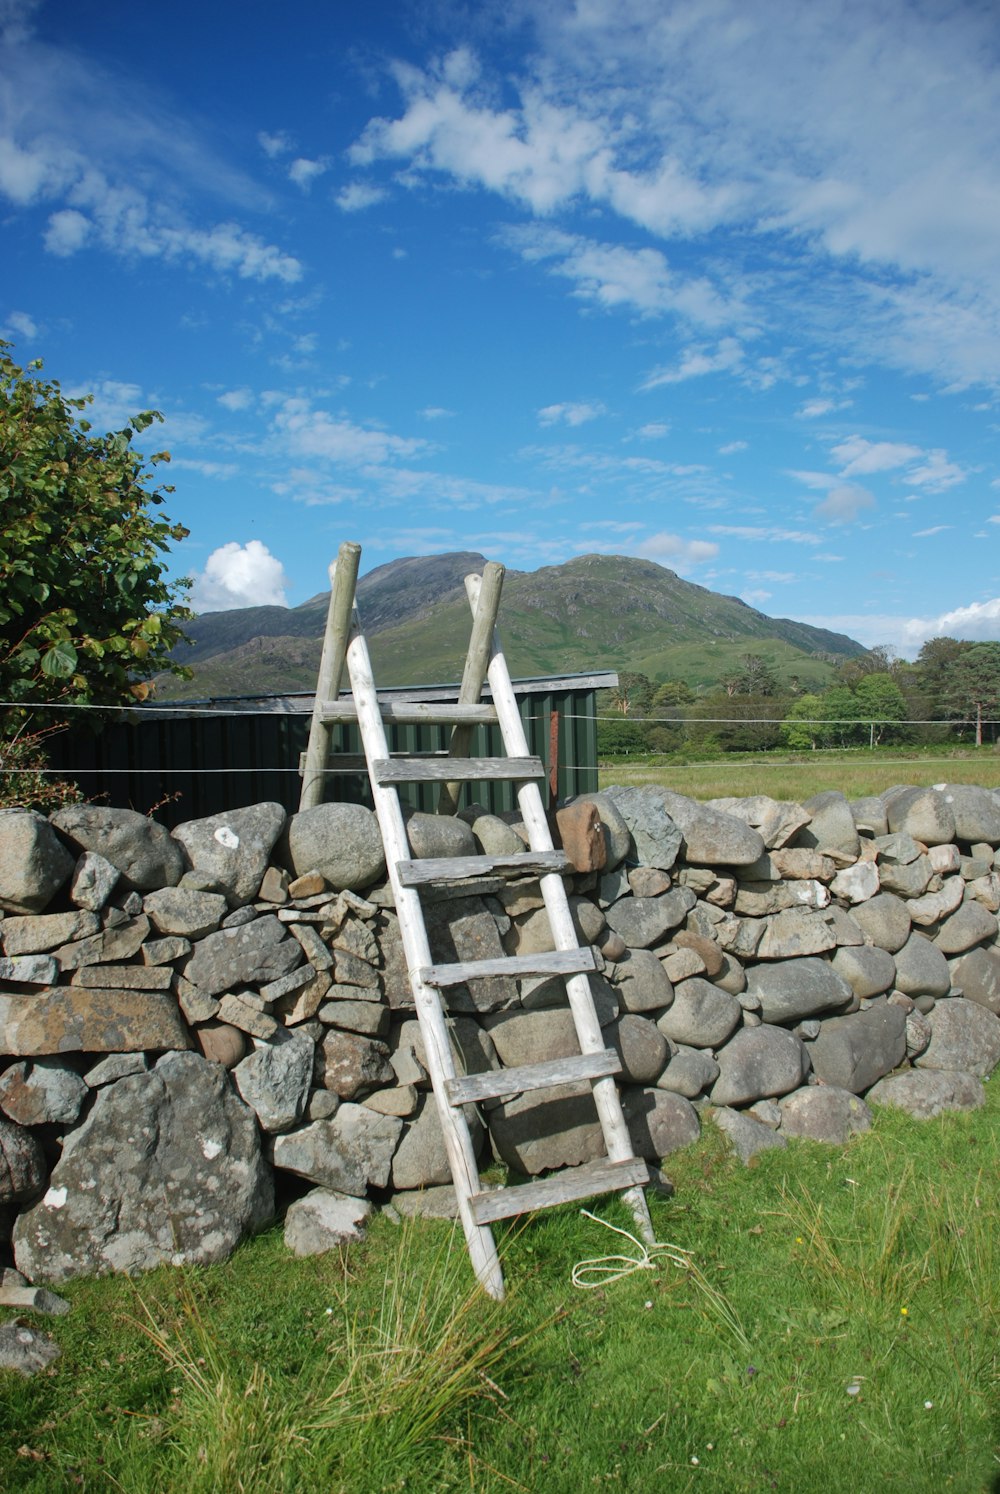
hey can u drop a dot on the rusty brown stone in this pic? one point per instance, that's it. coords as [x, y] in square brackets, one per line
[581, 835]
[73, 1019]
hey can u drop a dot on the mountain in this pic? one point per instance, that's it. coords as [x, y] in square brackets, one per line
[595, 612]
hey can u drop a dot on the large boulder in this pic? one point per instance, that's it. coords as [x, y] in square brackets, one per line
[701, 1015]
[659, 1122]
[793, 989]
[340, 841]
[831, 828]
[34, 863]
[853, 1052]
[711, 836]
[884, 920]
[976, 812]
[965, 1036]
[249, 954]
[757, 1063]
[924, 1093]
[140, 850]
[349, 1153]
[166, 1169]
[233, 849]
[823, 1113]
[924, 813]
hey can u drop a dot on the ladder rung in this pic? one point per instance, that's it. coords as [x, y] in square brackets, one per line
[413, 713]
[518, 1081]
[455, 769]
[558, 962]
[561, 1187]
[460, 868]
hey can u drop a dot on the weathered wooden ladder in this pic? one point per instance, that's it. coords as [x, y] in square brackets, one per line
[345, 644]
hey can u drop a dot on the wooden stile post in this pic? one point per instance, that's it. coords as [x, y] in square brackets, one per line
[343, 580]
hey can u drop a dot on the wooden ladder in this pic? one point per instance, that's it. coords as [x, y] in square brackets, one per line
[620, 1170]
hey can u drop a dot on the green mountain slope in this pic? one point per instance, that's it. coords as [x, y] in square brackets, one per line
[595, 612]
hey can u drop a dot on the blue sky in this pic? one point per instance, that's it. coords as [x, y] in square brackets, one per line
[709, 283]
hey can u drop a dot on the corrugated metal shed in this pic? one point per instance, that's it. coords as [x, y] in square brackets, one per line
[204, 757]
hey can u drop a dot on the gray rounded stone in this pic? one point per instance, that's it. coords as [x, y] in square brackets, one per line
[617, 837]
[853, 1052]
[494, 837]
[789, 990]
[885, 920]
[831, 827]
[433, 835]
[711, 836]
[42, 1091]
[659, 1122]
[964, 1036]
[867, 970]
[746, 1134]
[701, 1015]
[340, 841]
[976, 812]
[824, 1113]
[977, 975]
[757, 1063]
[167, 1168]
[924, 1093]
[645, 921]
[924, 813]
[969, 925]
[233, 848]
[689, 1072]
[642, 1049]
[181, 910]
[34, 863]
[921, 968]
[641, 982]
[143, 852]
[323, 1219]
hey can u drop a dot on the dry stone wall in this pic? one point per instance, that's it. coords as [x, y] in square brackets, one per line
[199, 1028]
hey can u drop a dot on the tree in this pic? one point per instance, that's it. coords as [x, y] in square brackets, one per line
[879, 698]
[974, 689]
[87, 614]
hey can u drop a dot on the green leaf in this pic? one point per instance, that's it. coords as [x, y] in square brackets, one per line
[59, 662]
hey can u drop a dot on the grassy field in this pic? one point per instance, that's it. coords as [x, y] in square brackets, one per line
[797, 776]
[827, 1320]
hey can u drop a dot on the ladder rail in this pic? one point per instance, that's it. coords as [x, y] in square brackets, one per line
[474, 674]
[581, 1002]
[440, 1061]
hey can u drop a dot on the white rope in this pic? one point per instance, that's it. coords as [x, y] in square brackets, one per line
[603, 1270]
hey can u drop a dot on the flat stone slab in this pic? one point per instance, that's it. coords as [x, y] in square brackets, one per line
[72, 1019]
[924, 1093]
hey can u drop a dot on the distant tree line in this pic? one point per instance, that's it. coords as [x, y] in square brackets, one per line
[951, 692]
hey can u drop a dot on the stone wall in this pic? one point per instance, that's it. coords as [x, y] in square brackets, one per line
[200, 1027]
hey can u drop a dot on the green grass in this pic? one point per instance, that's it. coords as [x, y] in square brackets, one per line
[836, 1328]
[797, 776]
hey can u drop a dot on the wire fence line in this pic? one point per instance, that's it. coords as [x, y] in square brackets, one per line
[138, 713]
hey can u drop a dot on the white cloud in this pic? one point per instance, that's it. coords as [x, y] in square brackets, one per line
[654, 431]
[768, 534]
[684, 555]
[979, 622]
[936, 474]
[732, 446]
[278, 144]
[756, 596]
[814, 409]
[221, 470]
[236, 399]
[20, 324]
[314, 433]
[859, 457]
[119, 168]
[238, 575]
[571, 414]
[304, 172]
[357, 196]
[614, 276]
[696, 363]
[436, 412]
[844, 503]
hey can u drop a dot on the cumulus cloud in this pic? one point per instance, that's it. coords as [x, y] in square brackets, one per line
[238, 575]
[684, 555]
[570, 413]
[696, 363]
[979, 622]
[844, 503]
[357, 196]
[304, 172]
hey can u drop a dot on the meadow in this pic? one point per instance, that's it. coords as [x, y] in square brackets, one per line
[856, 772]
[825, 1319]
